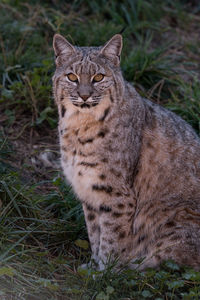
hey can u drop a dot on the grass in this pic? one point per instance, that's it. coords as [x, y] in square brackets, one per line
[43, 235]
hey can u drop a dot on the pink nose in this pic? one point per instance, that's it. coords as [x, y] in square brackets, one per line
[85, 97]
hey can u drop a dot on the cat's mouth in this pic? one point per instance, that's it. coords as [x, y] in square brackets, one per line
[86, 105]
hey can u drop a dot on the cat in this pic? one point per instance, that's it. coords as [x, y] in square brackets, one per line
[134, 165]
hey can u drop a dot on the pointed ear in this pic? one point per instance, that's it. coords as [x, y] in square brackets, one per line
[112, 49]
[62, 46]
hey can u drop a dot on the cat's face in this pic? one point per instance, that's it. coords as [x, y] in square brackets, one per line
[87, 73]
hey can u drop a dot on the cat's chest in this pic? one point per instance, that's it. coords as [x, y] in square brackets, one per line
[81, 147]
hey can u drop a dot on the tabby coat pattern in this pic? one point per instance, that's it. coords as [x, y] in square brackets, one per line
[134, 165]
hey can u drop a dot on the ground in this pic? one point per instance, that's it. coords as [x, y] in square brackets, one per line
[43, 234]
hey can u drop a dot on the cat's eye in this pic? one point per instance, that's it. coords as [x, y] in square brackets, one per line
[98, 77]
[72, 77]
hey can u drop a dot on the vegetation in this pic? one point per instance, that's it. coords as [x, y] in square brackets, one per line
[43, 235]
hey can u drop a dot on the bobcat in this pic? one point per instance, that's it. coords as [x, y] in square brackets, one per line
[134, 165]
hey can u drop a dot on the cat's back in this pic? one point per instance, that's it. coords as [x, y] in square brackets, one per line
[170, 124]
[169, 164]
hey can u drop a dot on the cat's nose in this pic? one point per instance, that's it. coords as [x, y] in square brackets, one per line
[84, 97]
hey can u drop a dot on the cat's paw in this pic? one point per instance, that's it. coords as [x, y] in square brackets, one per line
[92, 269]
[91, 265]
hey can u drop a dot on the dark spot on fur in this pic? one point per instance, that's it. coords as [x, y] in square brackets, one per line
[149, 144]
[123, 250]
[102, 176]
[167, 234]
[104, 208]
[175, 238]
[116, 228]
[102, 188]
[130, 219]
[158, 227]
[159, 244]
[120, 206]
[151, 109]
[79, 173]
[76, 131]
[129, 213]
[158, 257]
[111, 98]
[102, 132]
[89, 207]
[170, 224]
[107, 224]
[61, 132]
[141, 239]
[74, 152]
[91, 217]
[149, 118]
[145, 249]
[63, 110]
[91, 165]
[106, 111]
[82, 154]
[105, 160]
[168, 249]
[115, 135]
[90, 140]
[118, 194]
[94, 104]
[122, 235]
[117, 215]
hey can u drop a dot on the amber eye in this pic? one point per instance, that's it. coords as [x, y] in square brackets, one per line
[98, 77]
[72, 77]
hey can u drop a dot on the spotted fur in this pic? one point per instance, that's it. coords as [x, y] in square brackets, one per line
[134, 165]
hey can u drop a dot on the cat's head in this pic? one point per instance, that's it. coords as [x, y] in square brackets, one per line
[86, 74]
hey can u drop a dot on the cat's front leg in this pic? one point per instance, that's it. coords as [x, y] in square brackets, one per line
[93, 228]
[116, 234]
